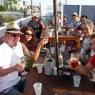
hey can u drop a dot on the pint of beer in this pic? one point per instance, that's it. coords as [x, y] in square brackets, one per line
[74, 63]
[74, 60]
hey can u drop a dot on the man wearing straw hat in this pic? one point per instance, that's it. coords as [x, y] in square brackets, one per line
[11, 64]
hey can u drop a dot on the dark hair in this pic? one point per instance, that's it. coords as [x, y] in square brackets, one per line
[84, 16]
[92, 36]
[23, 30]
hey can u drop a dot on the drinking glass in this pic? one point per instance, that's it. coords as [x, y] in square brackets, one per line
[74, 60]
[76, 79]
[40, 68]
[45, 37]
[37, 88]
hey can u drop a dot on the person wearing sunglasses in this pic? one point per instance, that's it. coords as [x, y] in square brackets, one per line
[27, 37]
[11, 52]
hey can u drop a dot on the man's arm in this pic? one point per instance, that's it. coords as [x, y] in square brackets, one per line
[43, 26]
[6, 71]
[18, 67]
[84, 70]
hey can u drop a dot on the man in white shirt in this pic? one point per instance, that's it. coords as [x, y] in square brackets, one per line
[75, 21]
[11, 52]
[10, 63]
[74, 24]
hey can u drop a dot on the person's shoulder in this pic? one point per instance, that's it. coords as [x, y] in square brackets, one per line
[4, 46]
[92, 60]
[93, 56]
[19, 44]
[23, 46]
[30, 22]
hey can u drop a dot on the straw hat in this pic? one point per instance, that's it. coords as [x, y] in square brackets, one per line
[13, 27]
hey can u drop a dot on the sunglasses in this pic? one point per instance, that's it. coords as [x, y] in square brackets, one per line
[28, 34]
[15, 34]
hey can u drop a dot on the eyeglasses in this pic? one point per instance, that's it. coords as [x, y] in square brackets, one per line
[15, 34]
[28, 34]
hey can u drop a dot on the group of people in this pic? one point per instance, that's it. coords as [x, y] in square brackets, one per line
[14, 45]
[17, 43]
[84, 28]
[87, 49]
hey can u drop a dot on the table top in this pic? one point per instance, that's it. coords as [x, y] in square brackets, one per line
[60, 85]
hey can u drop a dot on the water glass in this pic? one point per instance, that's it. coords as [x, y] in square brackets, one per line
[37, 88]
[76, 79]
[40, 68]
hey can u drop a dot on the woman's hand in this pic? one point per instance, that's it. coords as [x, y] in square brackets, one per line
[43, 42]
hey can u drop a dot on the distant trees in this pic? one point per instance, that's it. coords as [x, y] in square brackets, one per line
[2, 8]
[10, 4]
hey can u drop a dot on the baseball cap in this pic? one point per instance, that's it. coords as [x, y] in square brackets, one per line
[74, 14]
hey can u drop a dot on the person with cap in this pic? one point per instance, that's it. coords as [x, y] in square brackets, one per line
[38, 25]
[72, 30]
[75, 22]
[11, 52]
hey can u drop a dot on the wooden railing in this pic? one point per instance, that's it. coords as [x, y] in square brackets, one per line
[67, 38]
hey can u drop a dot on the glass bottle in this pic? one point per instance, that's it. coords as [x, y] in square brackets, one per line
[62, 47]
[60, 58]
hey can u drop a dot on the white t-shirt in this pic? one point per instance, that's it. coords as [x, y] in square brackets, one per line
[74, 24]
[9, 57]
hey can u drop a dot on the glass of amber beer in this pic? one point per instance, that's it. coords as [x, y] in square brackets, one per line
[74, 60]
[74, 63]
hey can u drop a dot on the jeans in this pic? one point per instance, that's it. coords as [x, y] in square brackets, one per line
[15, 90]
[12, 91]
[21, 84]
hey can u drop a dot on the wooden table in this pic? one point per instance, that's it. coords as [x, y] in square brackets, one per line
[67, 38]
[60, 85]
